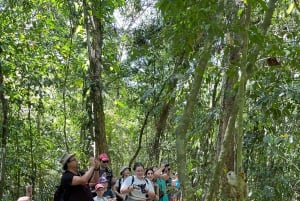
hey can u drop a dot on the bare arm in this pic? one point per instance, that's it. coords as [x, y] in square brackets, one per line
[117, 193]
[82, 180]
[159, 173]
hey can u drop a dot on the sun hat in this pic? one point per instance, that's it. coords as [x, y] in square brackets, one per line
[102, 180]
[65, 158]
[103, 157]
[124, 168]
[98, 186]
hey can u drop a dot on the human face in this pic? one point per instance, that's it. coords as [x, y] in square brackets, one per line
[126, 172]
[72, 162]
[139, 172]
[72, 159]
[167, 170]
[104, 164]
[149, 174]
[105, 184]
[100, 191]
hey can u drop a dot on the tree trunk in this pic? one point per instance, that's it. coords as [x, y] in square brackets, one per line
[162, 119]
[229, 94]
[95, 74]
[4, 131]
[235, 123]
[182, 128]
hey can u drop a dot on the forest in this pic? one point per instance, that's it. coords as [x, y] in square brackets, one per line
[206, 86]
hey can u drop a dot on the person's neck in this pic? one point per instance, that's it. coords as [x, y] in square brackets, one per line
[72, 170]
[139, 177]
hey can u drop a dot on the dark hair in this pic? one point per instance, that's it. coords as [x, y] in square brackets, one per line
[137, 164]
[65, 167]
[167, 167]
[148, 169]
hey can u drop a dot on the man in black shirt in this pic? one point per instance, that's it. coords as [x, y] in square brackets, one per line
[75, 185]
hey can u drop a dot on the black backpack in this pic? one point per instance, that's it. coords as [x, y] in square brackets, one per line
[59, 193]
[119, 189]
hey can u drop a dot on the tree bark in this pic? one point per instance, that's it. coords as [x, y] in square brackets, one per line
[234, 129]
[182, 128]
[94, 29]
[4, 131]
[162, 119]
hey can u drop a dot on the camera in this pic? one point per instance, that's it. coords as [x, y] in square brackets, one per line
[142, 187]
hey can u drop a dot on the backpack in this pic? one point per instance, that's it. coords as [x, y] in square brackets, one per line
[119, 189]
[59, 193]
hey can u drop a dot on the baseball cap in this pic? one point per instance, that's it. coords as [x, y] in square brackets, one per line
[102, 180]
[103, 157]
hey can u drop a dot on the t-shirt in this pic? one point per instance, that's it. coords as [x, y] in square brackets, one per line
[96, 198]
[108, 193]
[118, 184]
[137, 194]
[75, 193]
[107, 173]
[162, 185]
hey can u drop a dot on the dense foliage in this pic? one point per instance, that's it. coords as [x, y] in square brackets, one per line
[153, 54]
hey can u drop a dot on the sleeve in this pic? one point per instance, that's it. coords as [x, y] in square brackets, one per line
[126, 183]
[117, 183]
[66, 179]
[149, 186]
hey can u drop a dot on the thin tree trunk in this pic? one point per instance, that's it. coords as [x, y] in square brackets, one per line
[229, 94]
[95, 73]
[167, 105]
[140, 138]
[182, 128]
[4, 131]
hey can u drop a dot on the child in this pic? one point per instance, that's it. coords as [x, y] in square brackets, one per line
[100, 189]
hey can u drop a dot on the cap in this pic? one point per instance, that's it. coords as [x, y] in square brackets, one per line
[102, 180]
[103, 157]
[65, 158]
[98, 186]
[124, 168]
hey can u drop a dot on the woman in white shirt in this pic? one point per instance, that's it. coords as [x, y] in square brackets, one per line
[137, 186]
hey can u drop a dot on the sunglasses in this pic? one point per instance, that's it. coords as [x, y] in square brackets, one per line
[71, 160]
[105, 161]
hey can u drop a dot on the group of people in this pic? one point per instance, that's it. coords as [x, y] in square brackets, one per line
[99, 184]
